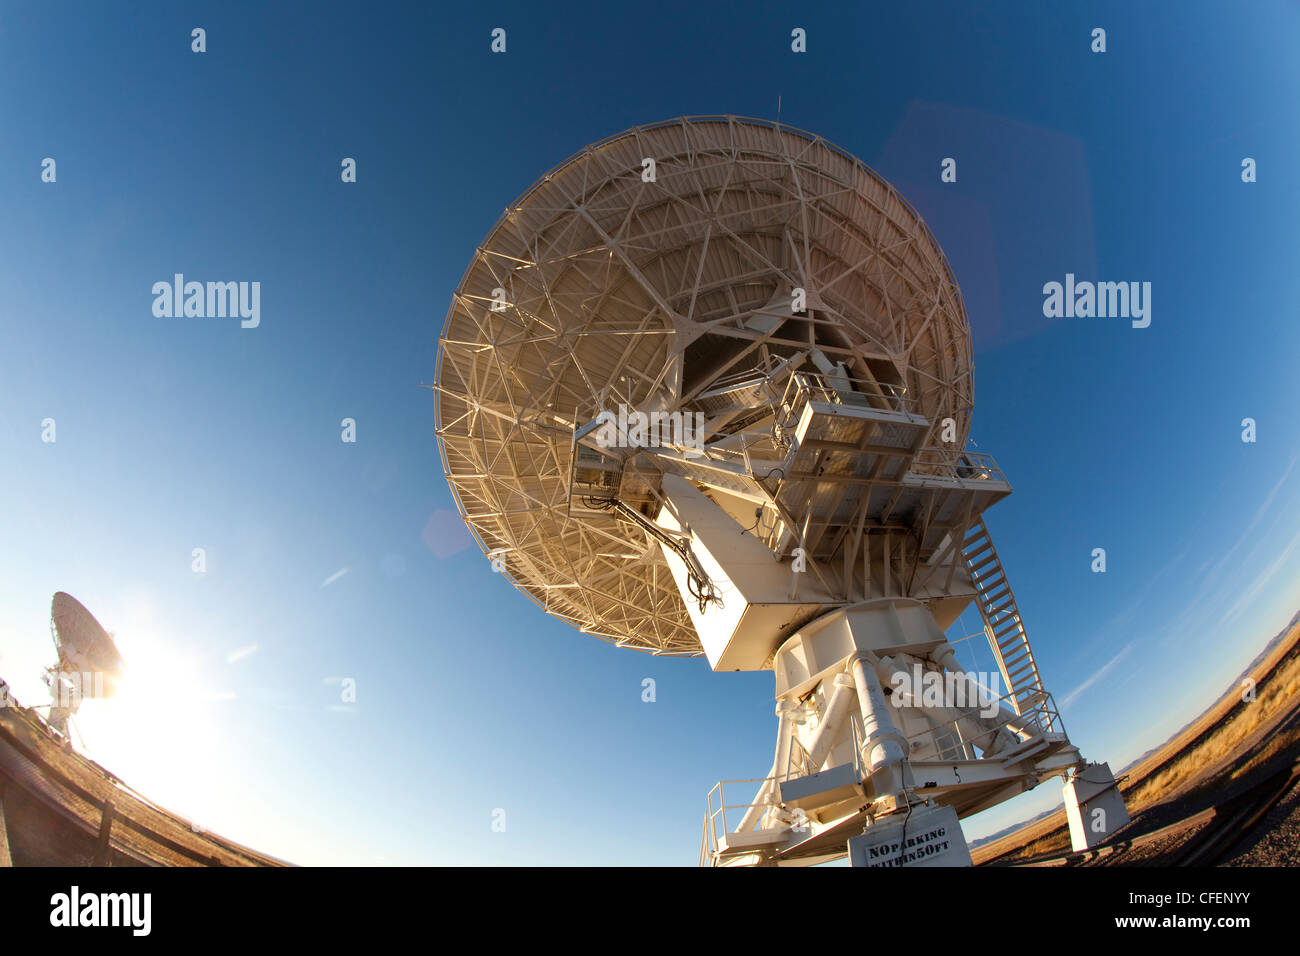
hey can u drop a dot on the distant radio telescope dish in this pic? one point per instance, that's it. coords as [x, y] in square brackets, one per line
[81, 641]
[690, 266]
[89, 664]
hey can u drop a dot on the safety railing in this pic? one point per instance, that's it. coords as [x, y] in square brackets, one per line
[967, 465]
[716, 814]
[798, 764]
[1038, 715]
[843, 390]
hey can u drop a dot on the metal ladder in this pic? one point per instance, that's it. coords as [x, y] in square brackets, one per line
[1002, 624]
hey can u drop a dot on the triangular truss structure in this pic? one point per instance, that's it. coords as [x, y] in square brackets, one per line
[610, 283]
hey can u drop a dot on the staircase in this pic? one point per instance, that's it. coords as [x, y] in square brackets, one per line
[1002, 624]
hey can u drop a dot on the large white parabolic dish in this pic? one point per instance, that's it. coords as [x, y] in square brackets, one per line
[615, 289]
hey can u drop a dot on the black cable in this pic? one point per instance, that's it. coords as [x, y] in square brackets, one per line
[902, 842]
[698, 584]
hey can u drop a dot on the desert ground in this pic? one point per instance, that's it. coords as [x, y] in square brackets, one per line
[1222, 791]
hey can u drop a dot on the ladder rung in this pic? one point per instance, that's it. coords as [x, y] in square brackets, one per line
[998, 592]
[1011, 663]
[1009, 636]
[1027, 668]
[995, 585]
[1014, 660]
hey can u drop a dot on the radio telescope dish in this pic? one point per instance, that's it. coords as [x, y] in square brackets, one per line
[604, 286]
[706, 388]
[81, 641]
[89, 664]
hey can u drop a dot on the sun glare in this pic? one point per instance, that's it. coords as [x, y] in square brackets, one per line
[159, 732]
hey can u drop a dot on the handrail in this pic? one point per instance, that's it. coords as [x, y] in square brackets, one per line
[835, 389]
[710, 838]
[1038, 710]
[964, 464]
[796, 766]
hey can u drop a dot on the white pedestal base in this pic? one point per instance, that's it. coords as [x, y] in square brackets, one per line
[1094, 806]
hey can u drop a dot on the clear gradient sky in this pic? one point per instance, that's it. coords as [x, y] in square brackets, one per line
[328, 560]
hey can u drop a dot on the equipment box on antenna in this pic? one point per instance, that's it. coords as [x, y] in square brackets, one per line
[594, 477]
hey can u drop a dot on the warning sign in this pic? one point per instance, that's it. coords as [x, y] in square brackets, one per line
[928, 836]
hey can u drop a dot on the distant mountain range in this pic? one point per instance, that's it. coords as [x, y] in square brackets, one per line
[1007, 831]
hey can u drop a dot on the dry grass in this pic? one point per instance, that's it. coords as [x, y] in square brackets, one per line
[1220, 733]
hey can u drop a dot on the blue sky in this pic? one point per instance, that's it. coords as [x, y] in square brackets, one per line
[181, 434]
